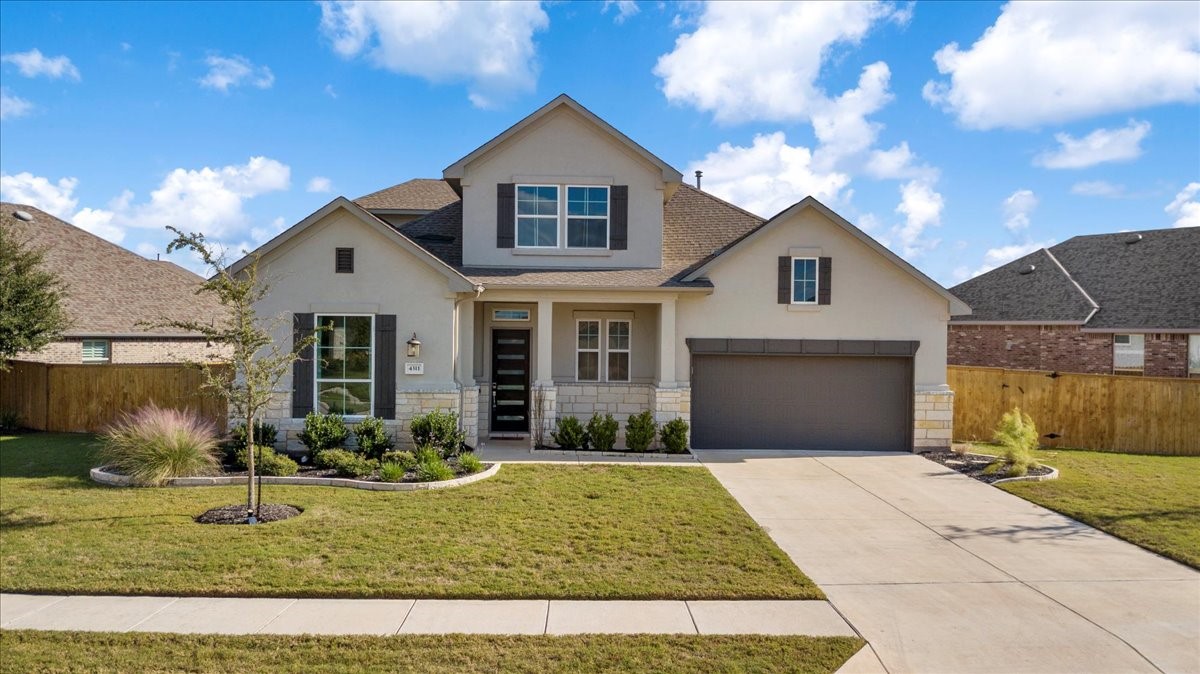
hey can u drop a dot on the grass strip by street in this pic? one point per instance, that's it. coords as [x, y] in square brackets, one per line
[29, 651]
[532, 531]
[1151, 501]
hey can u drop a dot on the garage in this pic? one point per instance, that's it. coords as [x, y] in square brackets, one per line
[824, 395]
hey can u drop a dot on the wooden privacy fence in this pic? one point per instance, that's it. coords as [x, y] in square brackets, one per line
[1147, 415]
[79, 398]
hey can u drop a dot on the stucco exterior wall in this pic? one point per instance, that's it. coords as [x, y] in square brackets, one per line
[871, 298]
[562, 148]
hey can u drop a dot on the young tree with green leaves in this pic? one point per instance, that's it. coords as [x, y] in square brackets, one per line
[257, 361]
[31, 298]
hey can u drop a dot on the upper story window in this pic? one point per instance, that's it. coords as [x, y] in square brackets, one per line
[804, 280]
[344, 365]
[1129, 352]
[587, 217]
[537, 216]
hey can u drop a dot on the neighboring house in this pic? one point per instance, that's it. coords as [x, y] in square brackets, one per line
[110, 293]
[1124, 303]
[574, 269]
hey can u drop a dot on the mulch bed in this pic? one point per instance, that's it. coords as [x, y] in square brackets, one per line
[236, 513]
[973, 465]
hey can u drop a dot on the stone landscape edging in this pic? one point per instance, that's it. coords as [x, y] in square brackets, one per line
[101, 476]
[1052, 475]
[593, 452]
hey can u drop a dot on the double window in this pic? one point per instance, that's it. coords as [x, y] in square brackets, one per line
[345, 362]
[616, 350]
[540, 217]
[804, 280]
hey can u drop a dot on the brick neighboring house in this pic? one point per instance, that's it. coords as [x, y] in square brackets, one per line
[1123, 303]
[109, 292]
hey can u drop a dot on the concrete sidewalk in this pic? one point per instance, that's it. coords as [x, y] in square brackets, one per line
[200, 615]
[942, 573]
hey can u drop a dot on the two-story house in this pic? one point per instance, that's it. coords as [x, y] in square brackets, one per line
[571, 272]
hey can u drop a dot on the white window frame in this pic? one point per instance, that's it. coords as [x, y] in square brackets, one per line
[566, 230]
[558, 220]
[1193, 347]
[317, 379]
[609, 349]
[107, 350]
[1129, 342]
[497, 319]
[816, 280]
[599, 350]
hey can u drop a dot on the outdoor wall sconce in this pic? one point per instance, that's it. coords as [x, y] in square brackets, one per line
[414, 346]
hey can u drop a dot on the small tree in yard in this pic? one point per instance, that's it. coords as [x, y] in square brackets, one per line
[257, 361]
[31, 308]
[1018, 438]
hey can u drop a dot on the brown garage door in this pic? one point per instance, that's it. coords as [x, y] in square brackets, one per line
[826, 403]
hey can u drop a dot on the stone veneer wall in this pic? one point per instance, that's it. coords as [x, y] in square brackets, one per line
[933, 420]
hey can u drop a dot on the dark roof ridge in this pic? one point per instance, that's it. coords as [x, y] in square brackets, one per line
[1080, 288]
[1122, 233]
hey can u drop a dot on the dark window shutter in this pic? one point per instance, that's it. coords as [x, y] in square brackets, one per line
[618, 234]
[343, 260]
[302, 369]
[506, 215]
[785, 280]
[385, 366]
[824, 279]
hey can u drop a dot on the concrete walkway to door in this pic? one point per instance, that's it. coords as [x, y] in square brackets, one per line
[944, 574]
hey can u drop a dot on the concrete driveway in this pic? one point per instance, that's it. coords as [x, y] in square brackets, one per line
[945, 574]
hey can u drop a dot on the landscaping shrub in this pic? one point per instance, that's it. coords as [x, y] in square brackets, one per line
[323, 432]
[439, 429]
[674, 436]
[154, 444]
[264, 434]
[570, 434]
[602, 432]
[373, 439]
[346, 464]
[434, 469]
[1018, 438]
[405, 460]
[267, 462]
[391, 472]
[640, 430]
[10, 420]
[470, 463]
[426, 453]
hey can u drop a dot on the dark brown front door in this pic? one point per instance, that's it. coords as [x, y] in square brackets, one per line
[510, 381]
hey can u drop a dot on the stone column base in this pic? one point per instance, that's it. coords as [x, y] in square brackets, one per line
[933, 420]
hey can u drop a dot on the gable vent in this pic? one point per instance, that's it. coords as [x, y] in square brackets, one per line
[344, 260]
[1133, 239]
[1028, 270]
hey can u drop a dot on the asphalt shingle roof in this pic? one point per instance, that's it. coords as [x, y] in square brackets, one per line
[110, 289]
[1151, 284]
[419, 194]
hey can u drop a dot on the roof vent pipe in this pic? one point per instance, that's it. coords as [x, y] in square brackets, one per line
[1134, 239]
[1028, 270]
[698, 174]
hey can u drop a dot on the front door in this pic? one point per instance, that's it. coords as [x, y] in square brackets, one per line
[510, 381]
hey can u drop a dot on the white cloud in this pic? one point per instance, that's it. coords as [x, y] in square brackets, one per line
[33, 63]
[11, 106]
[898, 163]
[767, 176]
[125, 46]
[922, 207]
[55, 198]
[1185, 208]
[1098, 188]
[319, 184]
[489, 45]
[330, 91]
[761, 60]
[1017, 208]
[841, 124]
[1048, 62]
[1098, 147]
[234, 71]
[625, 9]
[1002, 255]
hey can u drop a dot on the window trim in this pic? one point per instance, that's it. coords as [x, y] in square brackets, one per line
[607, 218]
[816, 280]
[558, 221]
[598, 350]
[1129, 342]
[317, 379]
[107, 351]
[608, 349]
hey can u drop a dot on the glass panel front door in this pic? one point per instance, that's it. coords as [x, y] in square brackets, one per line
[510, 381]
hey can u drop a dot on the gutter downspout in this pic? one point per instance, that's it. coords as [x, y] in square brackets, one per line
[456, 348]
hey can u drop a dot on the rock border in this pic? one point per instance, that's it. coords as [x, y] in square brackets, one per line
[101, 476]
[1052, 475]
[583, 453]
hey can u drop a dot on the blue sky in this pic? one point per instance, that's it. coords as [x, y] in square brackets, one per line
[960, 134]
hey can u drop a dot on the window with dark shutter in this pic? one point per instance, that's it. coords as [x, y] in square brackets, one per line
[785, 280]
[344, 260]
[302, 368]
[385, 366]
[506, 215]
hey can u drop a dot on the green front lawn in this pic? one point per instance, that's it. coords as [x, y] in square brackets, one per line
[1152, 501]
[104, 652]
[532, 531]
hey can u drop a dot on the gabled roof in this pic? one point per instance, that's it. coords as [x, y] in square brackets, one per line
[457, 281]
[456, 170]
[1148, 281]
[419, 195]
[110, 291]
[957, 306]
